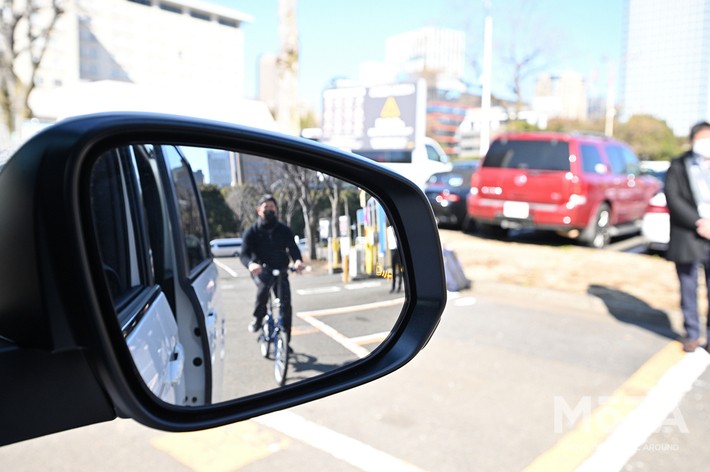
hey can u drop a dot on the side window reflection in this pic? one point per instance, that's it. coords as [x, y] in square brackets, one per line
[192, 225]
[115, 231]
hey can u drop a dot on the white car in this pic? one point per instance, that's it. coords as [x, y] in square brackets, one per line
[226, 247]
[656, 223]
[162, 279]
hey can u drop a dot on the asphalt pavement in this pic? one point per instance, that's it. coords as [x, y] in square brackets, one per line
[513, 379]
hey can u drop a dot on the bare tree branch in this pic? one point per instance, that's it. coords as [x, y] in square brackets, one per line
[26, 27]
[530, 49]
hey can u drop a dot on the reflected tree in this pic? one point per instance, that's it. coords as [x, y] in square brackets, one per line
[296, 189]
[309, 185]
[221, 220]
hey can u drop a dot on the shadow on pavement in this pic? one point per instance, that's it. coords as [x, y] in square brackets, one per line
[629, 309]
[304, 366]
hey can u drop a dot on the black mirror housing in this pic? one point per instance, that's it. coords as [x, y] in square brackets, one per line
[61, 352]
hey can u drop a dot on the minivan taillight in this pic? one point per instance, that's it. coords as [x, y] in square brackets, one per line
[578, 193]
[475, 182]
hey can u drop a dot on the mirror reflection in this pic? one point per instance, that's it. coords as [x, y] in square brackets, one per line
[233, 274]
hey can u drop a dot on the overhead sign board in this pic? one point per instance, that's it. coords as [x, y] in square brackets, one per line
[364, 118]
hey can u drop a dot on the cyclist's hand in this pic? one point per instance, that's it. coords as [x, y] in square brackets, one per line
[255, 269]
[299, 266]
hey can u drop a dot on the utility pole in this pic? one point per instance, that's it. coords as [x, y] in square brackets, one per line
[485, 140]
[287, 70]
[610, 102]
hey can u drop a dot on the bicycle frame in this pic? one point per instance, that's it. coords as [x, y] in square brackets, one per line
[273, 331]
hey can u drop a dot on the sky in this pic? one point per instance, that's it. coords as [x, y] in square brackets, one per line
[335, 37]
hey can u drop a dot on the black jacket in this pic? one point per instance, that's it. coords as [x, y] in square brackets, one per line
[685, 245]
[269, 244]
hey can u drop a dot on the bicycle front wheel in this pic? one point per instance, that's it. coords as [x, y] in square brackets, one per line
[281, 358]
[264, 346]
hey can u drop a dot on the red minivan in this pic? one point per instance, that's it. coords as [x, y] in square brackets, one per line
[583, 186]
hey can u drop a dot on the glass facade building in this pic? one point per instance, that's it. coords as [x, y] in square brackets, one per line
[666, 62]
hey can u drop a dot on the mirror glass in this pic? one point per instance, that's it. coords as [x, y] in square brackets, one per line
[234, 274]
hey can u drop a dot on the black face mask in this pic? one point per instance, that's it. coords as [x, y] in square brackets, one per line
[269, 217]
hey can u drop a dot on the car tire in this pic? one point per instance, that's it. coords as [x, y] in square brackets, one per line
[597, 235]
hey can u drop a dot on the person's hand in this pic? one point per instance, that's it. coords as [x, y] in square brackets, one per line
[702, 226]
[255, 269]
[299, 266]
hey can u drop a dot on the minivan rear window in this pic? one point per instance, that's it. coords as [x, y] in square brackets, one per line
[521, 154]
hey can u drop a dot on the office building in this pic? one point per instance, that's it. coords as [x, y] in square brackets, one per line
[191, 45]
[221, 167]
[430, 53]
[437, 55]
[666, 63]
[562, 95]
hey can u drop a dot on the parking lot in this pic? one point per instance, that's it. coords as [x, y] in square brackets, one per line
[639, 279]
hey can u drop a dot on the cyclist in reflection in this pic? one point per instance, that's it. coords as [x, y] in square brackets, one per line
[268, 242]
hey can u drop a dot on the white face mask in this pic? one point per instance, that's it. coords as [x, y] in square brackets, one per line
[701, 147]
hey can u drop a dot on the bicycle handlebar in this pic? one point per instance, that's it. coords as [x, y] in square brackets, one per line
[277, 272]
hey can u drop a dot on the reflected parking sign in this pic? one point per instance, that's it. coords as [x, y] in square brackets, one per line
[324, 228]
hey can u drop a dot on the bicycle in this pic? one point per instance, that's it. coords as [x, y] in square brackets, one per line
[273, 331]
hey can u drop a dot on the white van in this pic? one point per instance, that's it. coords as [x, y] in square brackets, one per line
[416, 164]
[226, 247]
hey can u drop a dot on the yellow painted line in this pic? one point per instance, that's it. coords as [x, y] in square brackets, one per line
[353, 308]
[223, 449]
[577, 445]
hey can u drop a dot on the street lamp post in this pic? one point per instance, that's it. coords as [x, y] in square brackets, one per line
[486, 79]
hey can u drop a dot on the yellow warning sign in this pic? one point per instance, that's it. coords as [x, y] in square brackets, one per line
[390, 109]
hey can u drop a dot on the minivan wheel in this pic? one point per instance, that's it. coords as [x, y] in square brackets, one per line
[468, 225]
[599, 235]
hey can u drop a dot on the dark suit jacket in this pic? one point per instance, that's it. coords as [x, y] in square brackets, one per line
[685, 244]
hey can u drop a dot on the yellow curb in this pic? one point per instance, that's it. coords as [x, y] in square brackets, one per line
[577, 445]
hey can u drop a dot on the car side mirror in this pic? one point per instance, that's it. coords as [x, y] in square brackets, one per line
[105, 235]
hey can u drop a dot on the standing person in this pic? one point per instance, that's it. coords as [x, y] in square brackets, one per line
[270, 243]
[687, 192]
[397, 270]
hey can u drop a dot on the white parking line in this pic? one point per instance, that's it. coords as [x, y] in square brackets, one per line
[338, 288]
[332, 333]
[660, 402]
[226, 268]
[354, 308]
[465, 301]
[363, 285]
[318, 290]
[347, 449]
